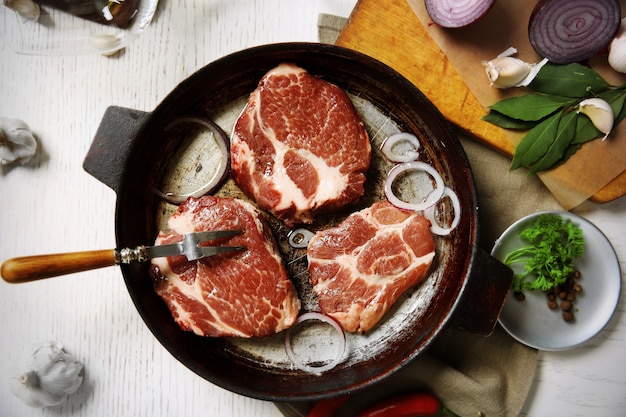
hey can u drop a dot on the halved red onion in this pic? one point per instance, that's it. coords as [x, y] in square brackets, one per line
[567, 31]
[314, 315]
[432, 197]
[457, 13]
[429, 213]
[221, 171]
[409, 153]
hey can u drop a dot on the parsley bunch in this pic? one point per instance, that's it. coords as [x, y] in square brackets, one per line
[549, 257]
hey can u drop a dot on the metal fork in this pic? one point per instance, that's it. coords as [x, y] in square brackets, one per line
[32, 268]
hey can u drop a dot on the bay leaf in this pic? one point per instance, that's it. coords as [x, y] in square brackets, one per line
[571, 150]
[571, 80]
[622, 113]
[531, 107]
[616, 99]
[585, 131]
[536, 142]
[506, 122]
[563, 138]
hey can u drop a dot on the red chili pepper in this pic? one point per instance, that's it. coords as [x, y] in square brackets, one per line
[328, 408]
[413, 404]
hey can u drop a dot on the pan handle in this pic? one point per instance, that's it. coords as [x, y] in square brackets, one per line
[107, 156]
[487, 288]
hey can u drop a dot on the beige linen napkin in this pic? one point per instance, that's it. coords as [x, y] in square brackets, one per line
[468, 372]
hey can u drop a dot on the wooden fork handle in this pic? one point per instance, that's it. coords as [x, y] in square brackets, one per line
[32, 268]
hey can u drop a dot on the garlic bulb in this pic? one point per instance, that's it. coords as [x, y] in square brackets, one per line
[599, 112]
[49, 377]
[17, 143]
[504, 71]
[26, 8]
[617, 49]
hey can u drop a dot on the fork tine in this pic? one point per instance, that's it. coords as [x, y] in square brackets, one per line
[199, 237]
[190, 246]
[216, 250]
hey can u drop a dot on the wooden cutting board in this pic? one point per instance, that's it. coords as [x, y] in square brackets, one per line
[391, 32]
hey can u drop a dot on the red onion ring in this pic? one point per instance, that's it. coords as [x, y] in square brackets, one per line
[457, 13]
[314, 315]
[429, 213]
[566, 31]
[220, 173]
[389, 144]
[429, 200]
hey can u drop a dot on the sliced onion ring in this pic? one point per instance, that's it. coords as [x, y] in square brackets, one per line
[567, 31]
[430, 199]
[429, 213]
[457, 13]
[222, 169]
[409, 155]
[314, 315]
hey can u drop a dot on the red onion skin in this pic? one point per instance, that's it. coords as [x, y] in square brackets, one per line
[436, 9]
[569, 52]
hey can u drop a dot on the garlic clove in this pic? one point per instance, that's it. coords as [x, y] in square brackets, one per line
[599, 112]
[17, 142]
[48, 352]
[25, 8]
[505, 71]
[617, 49]
[62, 377]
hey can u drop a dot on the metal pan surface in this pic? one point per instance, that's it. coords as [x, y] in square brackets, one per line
[387, 103]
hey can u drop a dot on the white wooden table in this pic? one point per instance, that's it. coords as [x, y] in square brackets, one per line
[55, 206]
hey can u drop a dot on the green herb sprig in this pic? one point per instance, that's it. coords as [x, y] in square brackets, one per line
[555, 129]
[548, 258]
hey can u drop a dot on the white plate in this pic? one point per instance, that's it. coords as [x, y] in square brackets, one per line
[532, 322]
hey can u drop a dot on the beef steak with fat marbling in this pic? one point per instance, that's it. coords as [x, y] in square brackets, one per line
[361, 267]
[241, 294]
[299, 148]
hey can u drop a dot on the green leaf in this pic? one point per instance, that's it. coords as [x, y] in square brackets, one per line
[616, 99]
[622, 113]
[507, 122]
[536, 142]
[585, 131]
[571, 150]
[571, 80]
[531, 107]
[563, 138]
